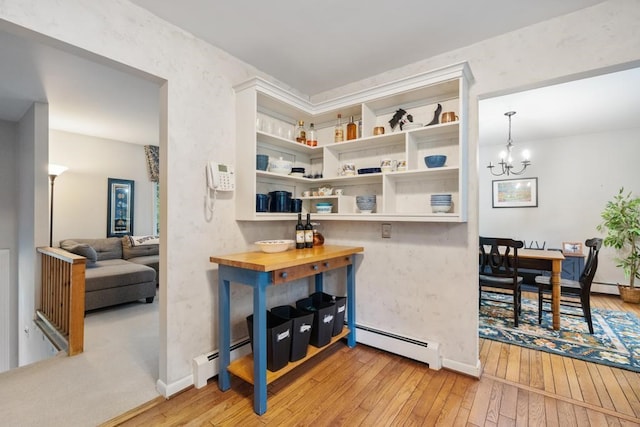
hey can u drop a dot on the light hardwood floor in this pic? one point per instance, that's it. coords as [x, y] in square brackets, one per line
[368, 387]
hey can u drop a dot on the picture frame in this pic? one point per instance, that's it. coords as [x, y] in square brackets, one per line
[572, 248]
[515, 193]
[120, 204]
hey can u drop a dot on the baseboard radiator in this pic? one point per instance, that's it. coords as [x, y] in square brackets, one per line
[206, 365]
[426, 352]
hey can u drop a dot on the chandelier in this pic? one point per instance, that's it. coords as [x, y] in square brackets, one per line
[506, 157]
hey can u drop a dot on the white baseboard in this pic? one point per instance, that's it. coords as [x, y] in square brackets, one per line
[205, 366]
[168, 390]
[474, 371]
[604, 288]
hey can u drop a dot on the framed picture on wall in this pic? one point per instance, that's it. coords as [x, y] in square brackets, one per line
[515, 193]
[572, 248]
[120, 207]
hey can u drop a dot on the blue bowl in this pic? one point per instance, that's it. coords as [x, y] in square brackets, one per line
[435, 161]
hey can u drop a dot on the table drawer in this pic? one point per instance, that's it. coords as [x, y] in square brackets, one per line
[290, 274]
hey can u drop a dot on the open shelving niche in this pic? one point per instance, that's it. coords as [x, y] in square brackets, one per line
[401, 196]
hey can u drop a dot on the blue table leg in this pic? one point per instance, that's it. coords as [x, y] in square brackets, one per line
[319, 285]
[260, 343]
[351, 306]
[224, 329]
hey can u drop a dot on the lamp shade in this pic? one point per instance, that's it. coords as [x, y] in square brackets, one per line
[56, 170]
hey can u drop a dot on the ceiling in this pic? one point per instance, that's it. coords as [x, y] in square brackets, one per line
[316, 46]
[310, 46]
[590, 105]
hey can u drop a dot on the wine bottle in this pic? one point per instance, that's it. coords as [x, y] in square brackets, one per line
[300, 233]
[338, 134]
[301, 134]
[352, 130]
[308, 233]
[312, 139]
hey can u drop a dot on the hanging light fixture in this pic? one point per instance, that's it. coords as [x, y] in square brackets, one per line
[506, 157]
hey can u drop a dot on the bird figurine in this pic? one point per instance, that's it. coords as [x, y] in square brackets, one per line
[436, 116]
[400, 117]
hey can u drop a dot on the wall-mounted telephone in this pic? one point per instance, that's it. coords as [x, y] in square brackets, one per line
[220, 177]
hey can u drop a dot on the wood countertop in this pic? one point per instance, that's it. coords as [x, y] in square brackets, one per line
[261, 261]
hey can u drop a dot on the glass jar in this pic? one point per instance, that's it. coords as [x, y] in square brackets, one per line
[318, 238]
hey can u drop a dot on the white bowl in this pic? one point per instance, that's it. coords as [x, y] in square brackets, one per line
[272, 246]
[280, 166]
[281, 171]
[324, 209]
[441, 208]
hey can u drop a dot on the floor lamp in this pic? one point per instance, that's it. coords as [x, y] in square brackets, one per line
[54, 172]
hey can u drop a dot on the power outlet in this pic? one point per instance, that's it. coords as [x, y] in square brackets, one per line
[386, 231]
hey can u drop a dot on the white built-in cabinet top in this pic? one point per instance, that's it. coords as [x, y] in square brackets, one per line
[266, 117]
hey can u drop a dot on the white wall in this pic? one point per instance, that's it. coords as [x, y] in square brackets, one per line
[9, 241]
[423, 281]
[33, 225]
[80, 202]
[577, 175]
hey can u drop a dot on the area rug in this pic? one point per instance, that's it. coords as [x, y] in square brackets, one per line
[615, 342]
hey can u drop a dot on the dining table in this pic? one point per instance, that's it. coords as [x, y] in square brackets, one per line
[546, 260]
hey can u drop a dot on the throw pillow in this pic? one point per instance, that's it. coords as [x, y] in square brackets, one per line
[144, 240]
[81, 249]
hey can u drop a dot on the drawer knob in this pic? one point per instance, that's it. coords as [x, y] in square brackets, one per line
[315, 267]
[284, 274]
[326, 264]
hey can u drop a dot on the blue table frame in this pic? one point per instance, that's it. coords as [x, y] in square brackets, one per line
[260, 271]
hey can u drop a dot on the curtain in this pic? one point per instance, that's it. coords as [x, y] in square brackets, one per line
[152, 152]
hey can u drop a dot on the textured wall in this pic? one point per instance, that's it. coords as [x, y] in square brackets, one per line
[420, 283]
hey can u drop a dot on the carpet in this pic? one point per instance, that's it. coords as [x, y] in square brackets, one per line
[615, 342]
[116, 372]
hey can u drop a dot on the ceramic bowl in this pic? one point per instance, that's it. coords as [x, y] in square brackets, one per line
[435, 161]
[366, 203]
[281, 171]
[324, 208]
[272, 246]
[440, 208]
[280, 166]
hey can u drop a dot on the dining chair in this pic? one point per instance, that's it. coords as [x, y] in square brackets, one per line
[498, 270]
[576, 294]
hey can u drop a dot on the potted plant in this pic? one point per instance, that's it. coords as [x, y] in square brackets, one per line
[621, 221]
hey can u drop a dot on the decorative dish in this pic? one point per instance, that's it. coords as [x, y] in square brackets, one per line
[272, 246]
[369, 170]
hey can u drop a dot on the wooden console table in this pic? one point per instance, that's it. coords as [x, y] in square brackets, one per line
[260, 270]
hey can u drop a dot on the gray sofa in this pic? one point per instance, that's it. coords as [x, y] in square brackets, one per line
[117, 271]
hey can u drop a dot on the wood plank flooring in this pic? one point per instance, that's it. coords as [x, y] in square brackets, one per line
[364, 386]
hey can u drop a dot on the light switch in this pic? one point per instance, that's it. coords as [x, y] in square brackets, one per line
[386, 231]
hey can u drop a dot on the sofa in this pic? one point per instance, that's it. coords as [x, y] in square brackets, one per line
[118, 269]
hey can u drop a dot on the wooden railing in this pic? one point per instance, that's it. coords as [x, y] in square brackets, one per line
[61, 313]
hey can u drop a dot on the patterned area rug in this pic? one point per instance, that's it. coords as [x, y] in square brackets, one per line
[615, 342]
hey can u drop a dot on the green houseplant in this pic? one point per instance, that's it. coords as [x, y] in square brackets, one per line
[621, 221]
